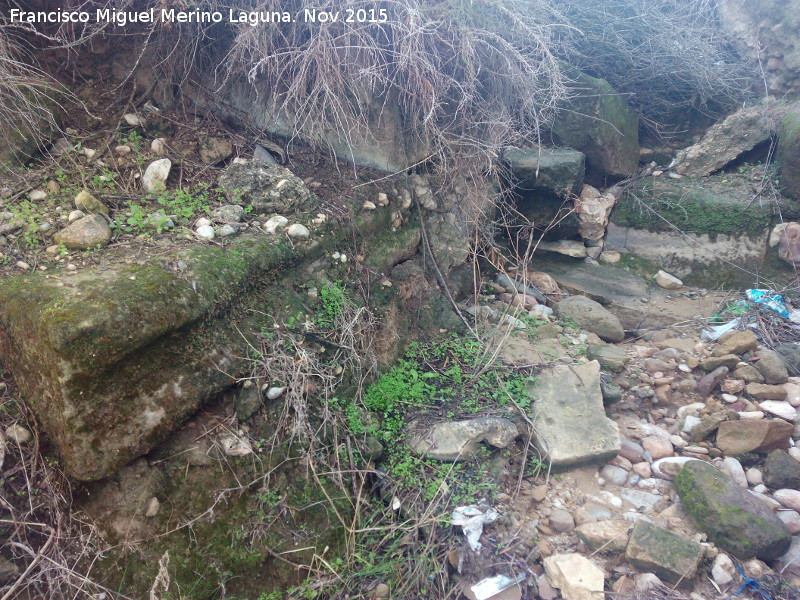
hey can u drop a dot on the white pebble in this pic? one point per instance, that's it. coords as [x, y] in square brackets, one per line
[205, 232]
[132, 120]
[298, 231]
[273, 223]
[75, 215]
[18, 434]
[37, 195]
[21, 264]
[369, 205]
[275, 392]
[202, 221]
[153, 507]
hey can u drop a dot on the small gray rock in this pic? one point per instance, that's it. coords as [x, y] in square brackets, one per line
[610, 357]
[232, 213]
[770, 364]
[781, 471]
[591, 316]
[561, 521]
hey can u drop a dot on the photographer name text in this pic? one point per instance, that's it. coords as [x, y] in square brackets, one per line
[171, 15]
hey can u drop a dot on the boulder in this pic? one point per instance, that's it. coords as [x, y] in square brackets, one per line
[598, 122]
[85, 233]
[732, 517]
[620, 291]
[575, 576]
[695, 227]
[267, 188]
[789, 244]
[591, 316]
[747, 435]
[670, 556]
[733, 136]
[118, 358]
[459, 440]
[781, 471]
[569, 418]
[556, 171]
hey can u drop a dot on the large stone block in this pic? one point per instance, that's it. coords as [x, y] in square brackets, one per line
[734, 519]
[570, 422]
[557, 171]
[114, 361]
[600, 123]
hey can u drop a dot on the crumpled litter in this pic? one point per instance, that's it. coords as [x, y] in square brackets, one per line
[769, 299]
[712, 334]
[471, 519]
[491, 586]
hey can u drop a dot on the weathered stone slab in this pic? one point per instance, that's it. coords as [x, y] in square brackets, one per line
[575, 576]
[459, 440]
[732, 136]
[569, 420]
[605, 536]
[734, 519]
[655, 550]
[619, 291]
[112, 362]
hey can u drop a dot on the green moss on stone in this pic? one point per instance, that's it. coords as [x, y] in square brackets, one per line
[712, 206]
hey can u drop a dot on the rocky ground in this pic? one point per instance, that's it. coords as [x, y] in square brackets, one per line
[648, 461]
[726, 408]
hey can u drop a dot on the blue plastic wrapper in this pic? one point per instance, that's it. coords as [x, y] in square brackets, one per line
[770, 300]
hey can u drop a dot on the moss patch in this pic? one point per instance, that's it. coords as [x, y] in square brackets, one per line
[711, 205]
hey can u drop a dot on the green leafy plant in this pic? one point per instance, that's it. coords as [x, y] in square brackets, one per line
[332, 301]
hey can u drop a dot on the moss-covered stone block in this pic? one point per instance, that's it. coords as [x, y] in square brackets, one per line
[600, 123]
[113, 360]
[699, 229]
[733, 519]
[655, 550]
